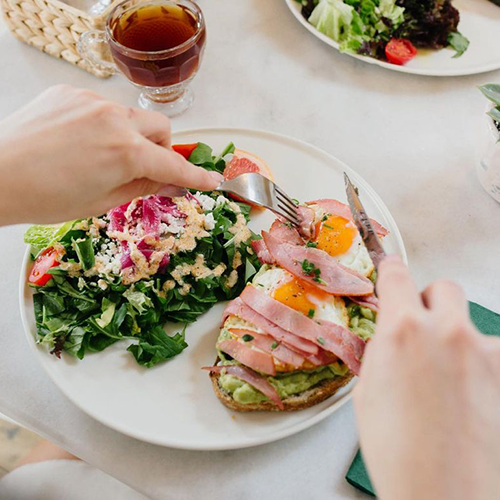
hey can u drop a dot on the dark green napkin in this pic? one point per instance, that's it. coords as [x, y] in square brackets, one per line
[487, 322]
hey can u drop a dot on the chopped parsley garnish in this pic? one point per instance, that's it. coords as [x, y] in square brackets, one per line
[311, 244]
[328, 226]
[311, 313]
[309, 269]
[325, 218]
[247, 337]
[321, 340]
[274, 345]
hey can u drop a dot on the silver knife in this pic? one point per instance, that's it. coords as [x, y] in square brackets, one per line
[362, 221]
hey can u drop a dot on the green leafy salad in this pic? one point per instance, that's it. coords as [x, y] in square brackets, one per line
[123, 275]
[389, 30]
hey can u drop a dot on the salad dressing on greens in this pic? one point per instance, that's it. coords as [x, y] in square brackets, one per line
[125, 274]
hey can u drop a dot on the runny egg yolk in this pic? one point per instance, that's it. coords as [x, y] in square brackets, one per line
[297, 294]
[335, 235]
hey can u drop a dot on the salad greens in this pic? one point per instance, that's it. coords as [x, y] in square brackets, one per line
[458, 43]
[41, 237]
[87, 306]
[367, 26]
[356, 24]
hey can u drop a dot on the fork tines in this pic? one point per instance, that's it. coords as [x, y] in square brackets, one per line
[286, 205]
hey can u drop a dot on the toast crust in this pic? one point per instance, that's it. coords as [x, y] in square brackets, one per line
[297, 402]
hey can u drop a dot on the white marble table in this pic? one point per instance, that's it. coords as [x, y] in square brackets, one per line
[411, 137]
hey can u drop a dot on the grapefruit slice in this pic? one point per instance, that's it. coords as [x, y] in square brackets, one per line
[243, 162]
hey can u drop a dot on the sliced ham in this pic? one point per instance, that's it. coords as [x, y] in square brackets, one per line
[368, 301]
[323, 358]
[334, 338]
[267, 344]
[260, 249]
[335, 278]
[238, 308]
[306, 217]
[335, 207]
[257, 360]
[284, 232]
[254, 379]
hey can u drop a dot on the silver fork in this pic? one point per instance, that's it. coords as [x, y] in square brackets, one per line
[262, 192]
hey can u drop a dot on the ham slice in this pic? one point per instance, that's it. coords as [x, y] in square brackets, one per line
[368, 301]
[257, 360]
[238, 308]
[335, 207]
[336, 339]
[267, 344]
[260, 249]
[306, 217]
[252, 378]
[284, 232]
[323, 358]
[335, 278]
[281, 231]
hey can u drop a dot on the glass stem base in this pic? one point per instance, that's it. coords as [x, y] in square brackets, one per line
[168, 103]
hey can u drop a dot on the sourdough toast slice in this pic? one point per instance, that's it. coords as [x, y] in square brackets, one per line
[313, 396]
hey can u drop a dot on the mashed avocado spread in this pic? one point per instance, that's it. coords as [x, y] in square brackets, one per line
[361, 321]
[286, 384]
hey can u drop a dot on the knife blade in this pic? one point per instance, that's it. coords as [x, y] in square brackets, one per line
[362, 221]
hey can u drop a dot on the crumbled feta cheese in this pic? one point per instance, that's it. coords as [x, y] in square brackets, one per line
[207, 203]
[108, 263]
[209, 221]
[172, 225]
[220, 200]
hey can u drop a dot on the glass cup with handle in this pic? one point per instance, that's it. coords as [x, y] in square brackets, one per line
[158, 45]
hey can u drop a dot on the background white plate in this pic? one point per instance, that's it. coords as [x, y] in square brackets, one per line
[479, 22]
[173, 404]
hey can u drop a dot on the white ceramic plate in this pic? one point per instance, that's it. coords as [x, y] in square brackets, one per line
[479, 22]
[173, 404]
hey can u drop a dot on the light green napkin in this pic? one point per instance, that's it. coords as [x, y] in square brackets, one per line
[487, 322]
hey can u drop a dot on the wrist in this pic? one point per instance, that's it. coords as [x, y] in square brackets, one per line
[12, 196]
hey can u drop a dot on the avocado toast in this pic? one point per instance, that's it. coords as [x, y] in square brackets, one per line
[297, 333]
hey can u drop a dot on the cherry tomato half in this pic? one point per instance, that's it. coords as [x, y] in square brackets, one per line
[45, 261]
[399, 51]
[185, 149]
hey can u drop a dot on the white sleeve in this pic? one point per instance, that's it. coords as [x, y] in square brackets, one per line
[63, 480]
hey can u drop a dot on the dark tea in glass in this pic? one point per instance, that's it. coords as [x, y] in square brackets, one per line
[158, 45]
[171, 30]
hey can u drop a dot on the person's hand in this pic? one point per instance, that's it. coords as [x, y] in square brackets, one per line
[71, 154]
[428, 400]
